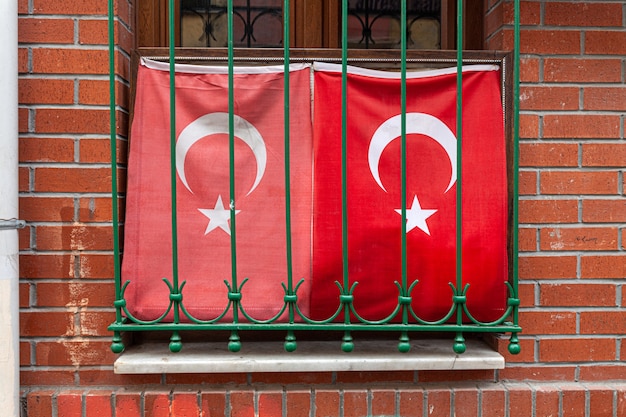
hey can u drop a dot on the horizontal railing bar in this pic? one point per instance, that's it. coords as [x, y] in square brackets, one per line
[323, 58]
[339, 327]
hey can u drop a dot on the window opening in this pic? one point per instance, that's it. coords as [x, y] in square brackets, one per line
[459, 319]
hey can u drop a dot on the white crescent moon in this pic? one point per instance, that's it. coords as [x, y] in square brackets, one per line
[416, 123]
[217, 123]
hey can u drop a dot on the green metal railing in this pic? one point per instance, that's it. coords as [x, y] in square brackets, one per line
[403, 321]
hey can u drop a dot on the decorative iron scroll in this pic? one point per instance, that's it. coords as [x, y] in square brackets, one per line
[266, 16]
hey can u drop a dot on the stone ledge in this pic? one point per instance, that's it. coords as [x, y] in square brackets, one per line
[311, 356]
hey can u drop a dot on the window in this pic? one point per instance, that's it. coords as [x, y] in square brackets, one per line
[221, 215]
[314, 23]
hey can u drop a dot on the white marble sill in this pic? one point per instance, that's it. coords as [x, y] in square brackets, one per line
[310, 356]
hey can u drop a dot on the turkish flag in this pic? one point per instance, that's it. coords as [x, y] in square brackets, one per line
[203, 197]
[374, 226]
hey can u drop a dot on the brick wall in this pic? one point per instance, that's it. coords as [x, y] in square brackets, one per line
[572, 264]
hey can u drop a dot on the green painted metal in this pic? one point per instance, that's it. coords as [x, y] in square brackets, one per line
[402, 319]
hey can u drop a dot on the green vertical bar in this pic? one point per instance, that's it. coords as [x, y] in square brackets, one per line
[287, 123]
[234, 344]
[403, 31]
[459, 345]
[516, 89]
[117, 345]
[347, 345]
[175, 341]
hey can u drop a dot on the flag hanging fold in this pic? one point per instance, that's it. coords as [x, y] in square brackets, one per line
[203, 199]
[374, 191]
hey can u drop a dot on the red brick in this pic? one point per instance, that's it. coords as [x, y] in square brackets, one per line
[326, 403]
[24, 120]
[544, 41]
[185, 404]
[85, 7]
[96, 32]
[41, 377]
[47, 209]
[22, 6]
[98, 404]
[529, 70]
[527, 354]
[439, 402]
[270, 403]
[354, 403]
[99, 150]
[604, 211]
[96, 92]
[24, 295]
[39, 403]
[411, 403]
[96, 323]
[25, 357]
[604, 42]
[24, 238]
[547, 267]
[549, 98]
[242, 403]
[573, 295]
[603, 266]
[466, 402]
[596, 372]
[76, 180]
[104, 377]
[284, 378]
[75, 294]
[69, 120]
[573, 401]
[157, 403]
[46, 149]
[74, 353]
[587, 238]
[128, 404]
[547, 401]
[579, 182]
[94, 266]
[527, 240]
[526, 293]
[214, 403]
[605, 322]
[603, 154]
[520, 400]
[604, 98]
[581, 126]
[70, 61]
[582, 70]
[548, 211]
[36, 30]
[528, 126]
[298, 403]
[601, 401]
[212, 378]
[375, 376]
[577, 350]
[22, 62]
[549, 154]
[70, 404]
[45, 91]
[527, 183]
[540, 372]
[79, 237]
[460, 375]
[539, 322]
[583, 14]
[38, 324]
[493, 402]
[47, 266]
[383, 402]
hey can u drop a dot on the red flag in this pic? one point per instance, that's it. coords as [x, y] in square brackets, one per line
[203, 198]
[374, 191]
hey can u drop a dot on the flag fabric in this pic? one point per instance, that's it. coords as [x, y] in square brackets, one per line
[202, 185]
[374, 191]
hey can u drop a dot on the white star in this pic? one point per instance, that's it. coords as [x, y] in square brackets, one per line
[416, 217]
[218, 217]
